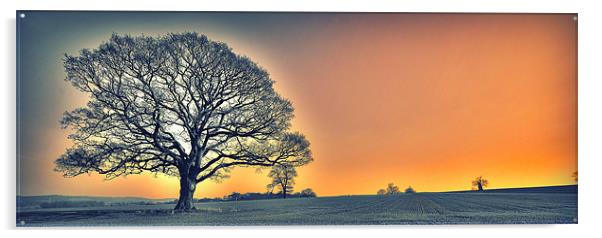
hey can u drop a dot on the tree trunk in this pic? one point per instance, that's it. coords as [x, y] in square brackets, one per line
[283, 191]
[187, 187]
[480, 186]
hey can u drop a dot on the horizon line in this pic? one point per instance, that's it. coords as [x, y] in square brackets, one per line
[339, 195]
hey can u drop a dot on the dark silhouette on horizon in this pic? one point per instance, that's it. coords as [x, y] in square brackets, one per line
[391, 189]
[479, 183]
[575, 176]
[283, 178]
[308, 192]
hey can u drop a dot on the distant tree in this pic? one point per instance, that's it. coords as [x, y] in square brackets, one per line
[308, 193]
[181, 105]
[61, 204]
[575, 176]
[270, 188]
[234, 196]
[392, 189]
[479, 183]
[381, 192]
[410, 190]
[283, 177]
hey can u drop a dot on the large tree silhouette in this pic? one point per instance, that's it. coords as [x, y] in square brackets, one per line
[180, 105]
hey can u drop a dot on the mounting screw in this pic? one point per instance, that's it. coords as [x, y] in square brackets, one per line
[574, 18]
[22, 15]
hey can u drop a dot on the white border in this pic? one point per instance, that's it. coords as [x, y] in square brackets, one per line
[590, 116]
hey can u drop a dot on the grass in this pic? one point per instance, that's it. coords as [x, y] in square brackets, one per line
[422, 208]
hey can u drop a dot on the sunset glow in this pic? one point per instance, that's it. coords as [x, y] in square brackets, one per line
[427, 100]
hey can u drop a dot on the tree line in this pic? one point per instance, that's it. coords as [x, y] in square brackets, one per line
[393, 189]
[235, 196]
[478, 184]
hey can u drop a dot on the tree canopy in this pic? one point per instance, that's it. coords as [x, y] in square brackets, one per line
[391, 189]
[178, 104]
[479, 183]
[308, 192]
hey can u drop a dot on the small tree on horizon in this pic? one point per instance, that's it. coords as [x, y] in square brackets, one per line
[233, 196]
[410, 190]
[575, 176]
[270, 188]
[381, 192]
[392, 189]
[308, 192]
[283, 178]
[479, 183]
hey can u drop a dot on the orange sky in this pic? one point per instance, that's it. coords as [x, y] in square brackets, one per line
[427, 100]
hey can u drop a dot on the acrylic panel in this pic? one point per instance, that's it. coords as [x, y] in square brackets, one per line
[295, 118]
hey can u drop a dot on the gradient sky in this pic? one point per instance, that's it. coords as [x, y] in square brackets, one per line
[427, 100]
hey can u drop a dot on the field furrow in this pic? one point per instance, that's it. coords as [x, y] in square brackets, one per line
[421, 208]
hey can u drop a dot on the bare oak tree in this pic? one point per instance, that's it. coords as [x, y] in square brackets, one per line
[392, 189]
[283, 177]
[479, 183]
[180, 105]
